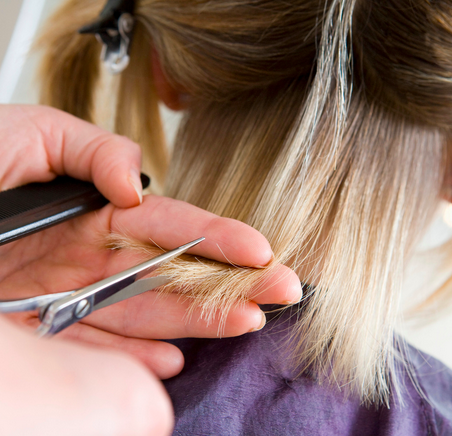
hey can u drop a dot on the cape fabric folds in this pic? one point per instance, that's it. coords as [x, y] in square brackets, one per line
[242, 386]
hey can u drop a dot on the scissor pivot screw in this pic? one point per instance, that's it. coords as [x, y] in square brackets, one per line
[82, 308]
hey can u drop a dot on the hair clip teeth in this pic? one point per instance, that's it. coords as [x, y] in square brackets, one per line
[116, 56]
[115, 34]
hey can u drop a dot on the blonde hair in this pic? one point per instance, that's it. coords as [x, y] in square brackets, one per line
[322, 124]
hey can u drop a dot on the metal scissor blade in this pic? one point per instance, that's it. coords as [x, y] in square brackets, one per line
[158, 261]
[71, 309]
[108, 287]
[137, 288]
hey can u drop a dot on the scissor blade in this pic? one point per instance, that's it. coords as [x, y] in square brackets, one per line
[71, 309]
[158, 261]
[137, 288]
[110, 286]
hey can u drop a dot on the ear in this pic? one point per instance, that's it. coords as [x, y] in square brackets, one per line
[446, 190]
[173, 98]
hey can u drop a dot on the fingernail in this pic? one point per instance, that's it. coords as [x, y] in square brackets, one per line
[290, 303]
[272, 258]
[264, 320]
[135, 181]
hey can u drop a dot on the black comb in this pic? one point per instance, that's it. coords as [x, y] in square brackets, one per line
[31, 208]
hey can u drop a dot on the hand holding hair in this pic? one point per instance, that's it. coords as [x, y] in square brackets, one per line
[323, 124]
[39, 143]
[71, 254]
[45, 384]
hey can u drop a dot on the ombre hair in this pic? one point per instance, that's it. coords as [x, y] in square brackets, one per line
[324, 124]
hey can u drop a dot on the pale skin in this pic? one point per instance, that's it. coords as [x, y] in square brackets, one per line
[111, 389]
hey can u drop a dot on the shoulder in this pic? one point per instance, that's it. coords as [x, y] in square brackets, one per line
[431, 383]
[243, 385]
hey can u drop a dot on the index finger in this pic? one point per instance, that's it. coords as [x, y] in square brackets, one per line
[170, 223]
[68, 145]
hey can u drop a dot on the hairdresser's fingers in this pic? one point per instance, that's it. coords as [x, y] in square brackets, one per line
[56, 143]
[281, 287]
[87, 152]
[163, 359]
[165, 316]
[155, 316]
[170, 223]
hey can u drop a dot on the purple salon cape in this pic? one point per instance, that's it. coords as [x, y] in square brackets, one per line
[244, 386]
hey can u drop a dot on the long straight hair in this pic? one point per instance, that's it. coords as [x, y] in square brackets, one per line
[323, 124]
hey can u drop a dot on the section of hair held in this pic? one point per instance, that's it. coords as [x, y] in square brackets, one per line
[205, 284]
[302, 124]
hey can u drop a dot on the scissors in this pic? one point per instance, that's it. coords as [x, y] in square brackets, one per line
[58, 311]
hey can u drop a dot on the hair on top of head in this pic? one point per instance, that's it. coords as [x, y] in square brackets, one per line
[323, 124]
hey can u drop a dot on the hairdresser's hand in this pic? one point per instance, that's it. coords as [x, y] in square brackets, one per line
[38, 143]
[55, 388]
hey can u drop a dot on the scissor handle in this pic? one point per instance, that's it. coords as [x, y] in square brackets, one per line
[63, 313]
[33, 303]
[70, 309]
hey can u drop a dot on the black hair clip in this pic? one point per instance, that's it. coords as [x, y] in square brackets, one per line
[114, 29]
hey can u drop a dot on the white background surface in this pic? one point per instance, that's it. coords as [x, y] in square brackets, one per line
[435, 338]
[9, 11]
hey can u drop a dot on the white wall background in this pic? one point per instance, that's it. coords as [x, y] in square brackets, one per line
[22, 22]
[9, 11]
[16, 85]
